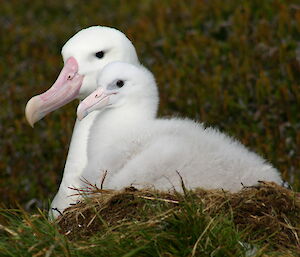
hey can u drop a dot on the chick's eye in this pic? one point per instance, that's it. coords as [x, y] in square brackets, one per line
[120, 83]
[100, 54]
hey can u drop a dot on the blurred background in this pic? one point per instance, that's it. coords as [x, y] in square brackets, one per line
[230, 64]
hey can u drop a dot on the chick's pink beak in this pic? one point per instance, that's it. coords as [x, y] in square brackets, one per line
[64, 90]
[96, 100]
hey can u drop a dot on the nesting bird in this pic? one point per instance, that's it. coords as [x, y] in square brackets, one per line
[136, 148]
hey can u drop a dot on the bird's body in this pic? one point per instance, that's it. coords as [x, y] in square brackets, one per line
[204, 157]
[150, 152]
[135, 148]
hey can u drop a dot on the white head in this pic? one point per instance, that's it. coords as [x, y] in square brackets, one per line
[84, 55]
[122, 85]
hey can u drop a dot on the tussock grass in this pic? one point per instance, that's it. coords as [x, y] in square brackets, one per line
[231, 64]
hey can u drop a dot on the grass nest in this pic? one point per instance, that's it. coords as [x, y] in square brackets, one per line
[266, 212]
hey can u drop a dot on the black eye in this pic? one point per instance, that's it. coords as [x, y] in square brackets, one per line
[120, 83]
[100, 54]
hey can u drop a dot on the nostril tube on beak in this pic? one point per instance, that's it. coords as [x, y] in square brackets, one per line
[71, 76]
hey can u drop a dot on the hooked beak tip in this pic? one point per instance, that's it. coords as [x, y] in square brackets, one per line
[28, 113]
[31, 124]
[80, 117]
[31, 111]
[81, 113]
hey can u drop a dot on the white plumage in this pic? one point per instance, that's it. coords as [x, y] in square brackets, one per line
[84, 55]
[135, 148]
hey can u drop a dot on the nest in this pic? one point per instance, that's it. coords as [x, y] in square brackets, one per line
[267, 211]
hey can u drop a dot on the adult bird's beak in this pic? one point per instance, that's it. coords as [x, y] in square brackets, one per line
[96, 100]
[64, 90]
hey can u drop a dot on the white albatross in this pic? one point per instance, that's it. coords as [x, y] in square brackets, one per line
[137, 149]
[84, 54]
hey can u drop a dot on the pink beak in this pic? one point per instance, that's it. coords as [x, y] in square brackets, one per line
[64, 90]
[95, 101]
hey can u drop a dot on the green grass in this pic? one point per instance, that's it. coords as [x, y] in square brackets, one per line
[147, 223]
[231, 64]
[171, 237]
[188, 232]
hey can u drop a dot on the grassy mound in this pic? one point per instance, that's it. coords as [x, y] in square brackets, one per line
[267, 213]
[258, 221]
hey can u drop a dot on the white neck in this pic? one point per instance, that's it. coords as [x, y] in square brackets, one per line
[131, 113]
[77, 156]
[116, 124]
[75, 163]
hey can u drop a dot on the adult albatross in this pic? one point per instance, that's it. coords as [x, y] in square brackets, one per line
[84, 54]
